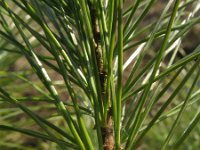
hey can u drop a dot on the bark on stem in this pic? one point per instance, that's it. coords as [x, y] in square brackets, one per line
[107, 130]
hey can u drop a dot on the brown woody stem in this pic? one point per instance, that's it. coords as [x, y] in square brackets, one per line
[107, 129]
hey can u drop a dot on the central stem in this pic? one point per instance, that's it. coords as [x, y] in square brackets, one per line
[107, 129]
